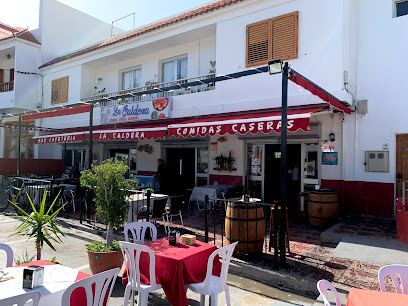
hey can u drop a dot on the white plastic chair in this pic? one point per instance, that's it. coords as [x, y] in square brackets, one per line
[131, 252]
[22, 299]
[324, 285]
[392, 271]
[213, 285]
[138, 231]
[9, 254]
[102, 282]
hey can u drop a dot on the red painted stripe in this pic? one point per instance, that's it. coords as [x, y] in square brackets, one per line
[58, 112]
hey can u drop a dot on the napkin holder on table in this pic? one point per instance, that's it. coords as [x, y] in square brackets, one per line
[188, 239]
[33, 276]
[174, 237]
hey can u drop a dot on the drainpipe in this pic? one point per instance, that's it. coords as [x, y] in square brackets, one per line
[18, 145]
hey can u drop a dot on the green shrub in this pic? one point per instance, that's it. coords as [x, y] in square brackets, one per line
[100, 246]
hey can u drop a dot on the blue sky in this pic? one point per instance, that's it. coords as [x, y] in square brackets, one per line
[24, 13]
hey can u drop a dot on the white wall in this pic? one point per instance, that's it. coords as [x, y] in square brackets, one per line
[385, 89]
[27, 86]
[237, 149]
[64, 29]
[145, 161]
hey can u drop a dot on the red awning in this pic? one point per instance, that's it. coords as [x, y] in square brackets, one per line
[318, 91]
[57, 112]
[59, 138]
[128, 134]
[253, 123]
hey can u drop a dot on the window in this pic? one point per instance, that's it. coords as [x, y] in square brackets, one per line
[59, 90]
[271, 39]
[401, 8]
[175, 70]
[26, 142]
[132, 79]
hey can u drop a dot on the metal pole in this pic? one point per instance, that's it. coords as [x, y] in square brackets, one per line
[283, 165]
[206, 219]
[18, 145]
[90, 134]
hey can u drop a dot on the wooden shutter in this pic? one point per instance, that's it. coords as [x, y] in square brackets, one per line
[272, 39]
[59, 90]
[285, 36]
[258, 45]
[55, 91]
[63, 90]
[1, 76]
[12, 75]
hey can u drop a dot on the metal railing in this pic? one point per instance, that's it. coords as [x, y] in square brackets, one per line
[8, 86]
[135, 95]
[219, 212]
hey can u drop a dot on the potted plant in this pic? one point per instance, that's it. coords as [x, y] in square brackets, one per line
[151, 84]
[40, 224]
[221, 161]
[230, 160]
[108, 182]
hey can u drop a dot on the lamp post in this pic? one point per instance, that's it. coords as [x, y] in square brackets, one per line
[274, 67]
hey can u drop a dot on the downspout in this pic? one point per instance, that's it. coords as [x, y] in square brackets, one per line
[18, 145]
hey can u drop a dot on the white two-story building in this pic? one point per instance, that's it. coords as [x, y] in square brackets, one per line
[151, 98]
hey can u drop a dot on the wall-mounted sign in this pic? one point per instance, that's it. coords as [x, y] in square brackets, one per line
[135, 111]
[330, 158]
[327, 148]
[214, 146]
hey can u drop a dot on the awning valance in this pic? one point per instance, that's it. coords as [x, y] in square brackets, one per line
[60, 138]
[253, 123]
[118, 134]
[128, 134]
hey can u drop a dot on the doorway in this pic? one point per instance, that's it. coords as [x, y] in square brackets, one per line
[272, 175]
[402, 162]
[181, 167]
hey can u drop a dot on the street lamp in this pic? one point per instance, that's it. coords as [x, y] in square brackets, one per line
[274, 67]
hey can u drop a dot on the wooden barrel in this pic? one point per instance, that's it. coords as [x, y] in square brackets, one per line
[245, 224]
[323, 207]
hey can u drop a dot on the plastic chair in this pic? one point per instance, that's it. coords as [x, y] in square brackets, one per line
[392, 271]
[100, 293]
[9, 254]
[138, 231]
[213, 285]
[22, 299]
[175, 210]
[131, 252]
[324, 285]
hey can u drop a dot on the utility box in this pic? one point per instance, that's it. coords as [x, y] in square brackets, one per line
[377, 161]
[362, 107]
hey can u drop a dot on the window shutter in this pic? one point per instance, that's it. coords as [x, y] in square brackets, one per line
[285, 36]
[55, 91]
[1, 76]
[63, 90]
[258, 50]
[12, 75]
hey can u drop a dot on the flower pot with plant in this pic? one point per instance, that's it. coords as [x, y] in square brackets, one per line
[39, 224]
[221, 161]
[111, 189]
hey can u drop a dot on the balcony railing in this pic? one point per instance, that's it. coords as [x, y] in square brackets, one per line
[9, 86]
[154, 91]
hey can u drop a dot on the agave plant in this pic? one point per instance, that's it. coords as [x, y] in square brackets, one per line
[39, 224]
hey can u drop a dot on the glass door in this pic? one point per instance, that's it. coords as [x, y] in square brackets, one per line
[255, 170]
[310, 166]
[202, 164]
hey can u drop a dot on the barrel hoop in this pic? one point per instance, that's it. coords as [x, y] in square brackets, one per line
[323, 202]
[244, 220]
[245, 241]
[242, 207]
[323, 218]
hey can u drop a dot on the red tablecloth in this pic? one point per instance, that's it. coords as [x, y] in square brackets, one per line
[78, 296]
[360, 297]
[176, 266]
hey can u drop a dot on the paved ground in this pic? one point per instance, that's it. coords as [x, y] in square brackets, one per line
[71, 253]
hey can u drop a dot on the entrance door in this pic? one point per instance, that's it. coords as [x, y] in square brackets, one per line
[181, 166]
[402, 162]
[272, 175]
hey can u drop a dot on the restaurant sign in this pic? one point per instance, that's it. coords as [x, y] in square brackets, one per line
[128, 112]
[60, 138]
[330, 158]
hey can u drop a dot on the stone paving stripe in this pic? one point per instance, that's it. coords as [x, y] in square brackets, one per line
[19, 241]
[82, 267]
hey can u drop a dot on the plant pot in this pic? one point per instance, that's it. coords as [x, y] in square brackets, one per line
[103, 261]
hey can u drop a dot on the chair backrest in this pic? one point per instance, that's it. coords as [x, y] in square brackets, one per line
[9, 254]
[175, 204]
[22, 299]
[103, 281]
[324, 285]
[138, 231]
[131, 252]
[225, 253]
[392, 271]
[159, 208]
